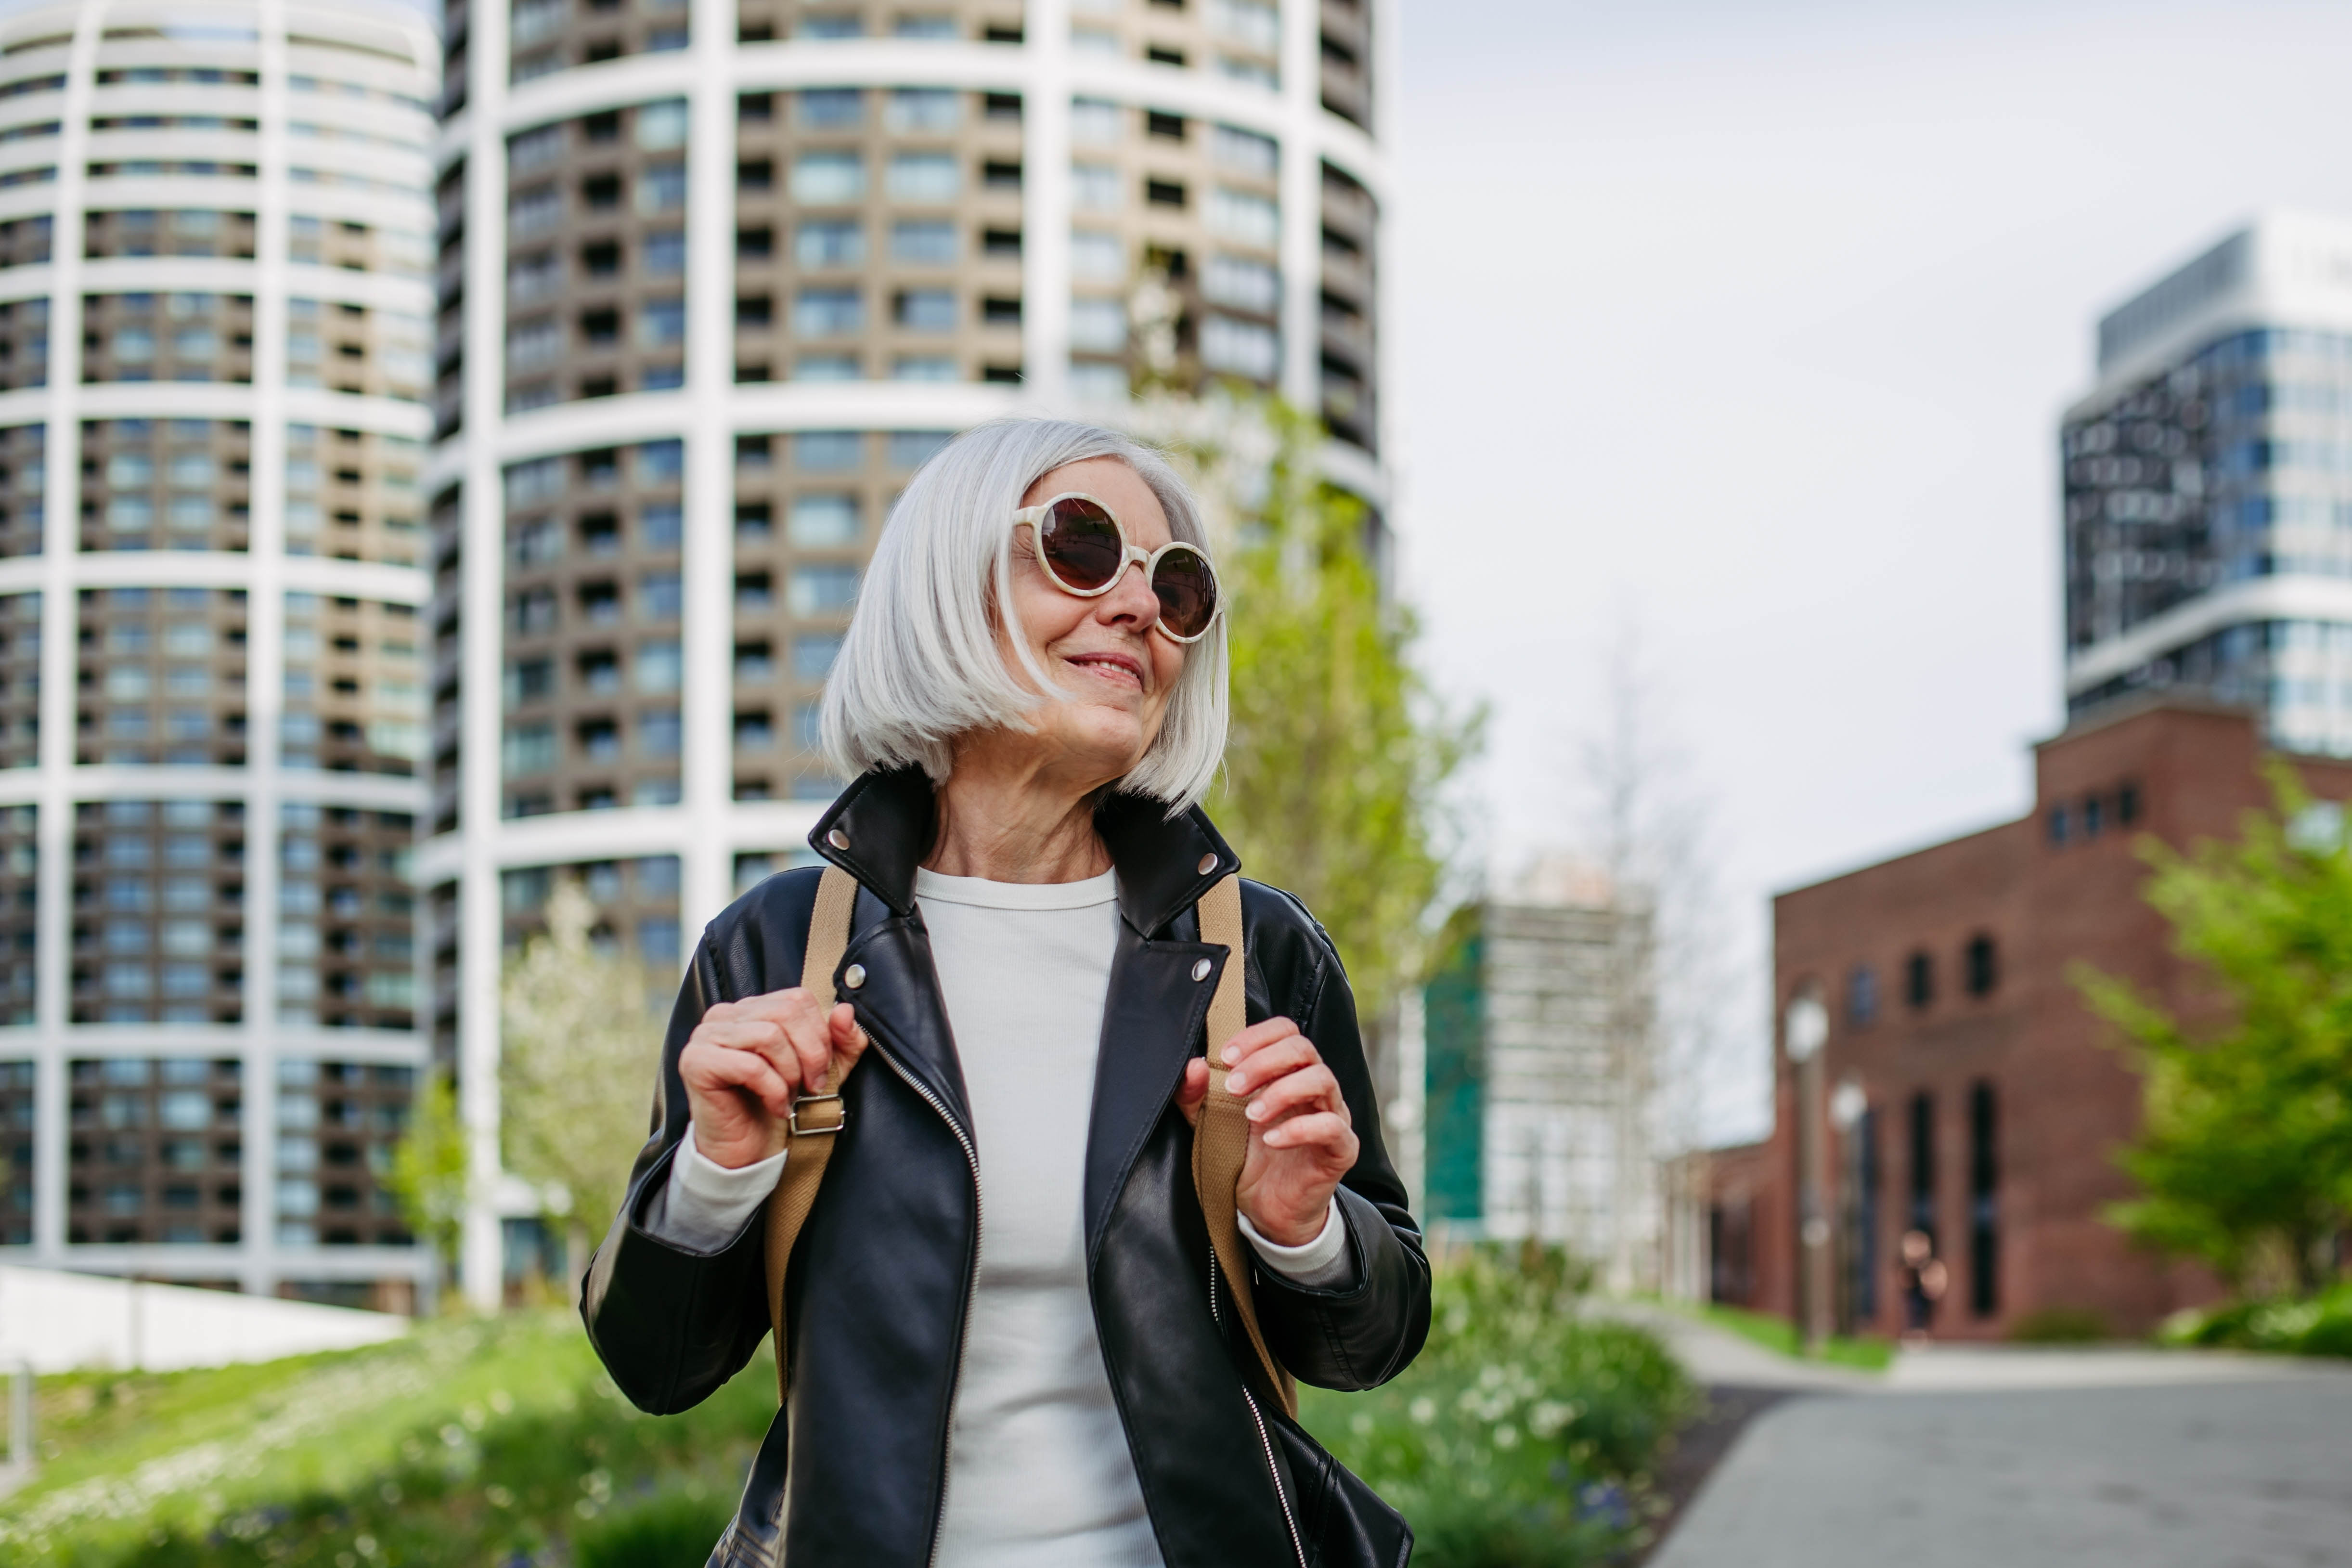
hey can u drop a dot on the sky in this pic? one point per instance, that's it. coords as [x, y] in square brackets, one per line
[1740, 333]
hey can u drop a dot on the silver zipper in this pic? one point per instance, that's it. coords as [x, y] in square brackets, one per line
[963, 1325]
[1264, 1442]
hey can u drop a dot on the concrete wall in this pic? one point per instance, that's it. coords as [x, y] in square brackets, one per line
[63, 1322]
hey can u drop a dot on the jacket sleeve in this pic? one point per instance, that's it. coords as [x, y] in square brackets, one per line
[1365, 1333]
[672, 1324]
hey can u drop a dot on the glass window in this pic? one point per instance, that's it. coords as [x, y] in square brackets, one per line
[829, 451]
[829, 242]
[1246, 216]
[913, 449]
[923, 176]
[1244, 149]
[814, 653]
[830, 176]
[822, 590]
[1095, 122]
[827, 312]
[923, 108]
[1095, 187]
[830, 108]
[1245, 348]
[1098, 325]
[662, 125]
[1242, 283]
[1097, 255]
[816, 521]
[925, 309]
[923, 240]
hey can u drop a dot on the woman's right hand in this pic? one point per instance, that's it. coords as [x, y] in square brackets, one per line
[747, 1061]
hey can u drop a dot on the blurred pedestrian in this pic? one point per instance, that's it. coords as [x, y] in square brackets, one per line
[1031, 700]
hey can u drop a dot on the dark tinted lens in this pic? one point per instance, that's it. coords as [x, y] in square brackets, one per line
[1081, 544]
[1187, 592]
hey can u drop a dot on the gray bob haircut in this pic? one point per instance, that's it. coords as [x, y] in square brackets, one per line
[922, 664]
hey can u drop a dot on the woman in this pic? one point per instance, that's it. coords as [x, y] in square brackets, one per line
[1031, 700]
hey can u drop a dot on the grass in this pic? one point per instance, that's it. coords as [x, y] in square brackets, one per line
[1779, 1336]
[488, 1442]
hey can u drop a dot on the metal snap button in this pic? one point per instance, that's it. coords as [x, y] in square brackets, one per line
[837, 839]
[853, 976]
[1208, 864]
[1201, 968]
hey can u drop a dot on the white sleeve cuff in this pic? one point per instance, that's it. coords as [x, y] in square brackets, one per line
[1322, 1264]
[704, 1205]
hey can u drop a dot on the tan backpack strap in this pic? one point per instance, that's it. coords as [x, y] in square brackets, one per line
[1222, 1139]
[805, 1138]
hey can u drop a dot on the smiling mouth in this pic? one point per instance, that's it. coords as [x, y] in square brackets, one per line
[1119, 667]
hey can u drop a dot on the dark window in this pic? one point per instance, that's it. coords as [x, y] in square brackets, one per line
[755, 242]
[1919, 979]
[2127, 805]
[1001, 373]
[1984, 1201]
[2093, 815]
[1921, 1306]
[1001, 105]
[754, 174]
[1000, 241]
[1160, 122]
[1862, 996]
[600, 327]
[1164, 192]
[753, 310]
[1000, 312]
[601, 190]
[600, 259]
[755, 106]
[1001, 35]
[1161, 55]
[755, 33]
[1000, 175]
[2058, 823]
[604, 127]
[1862, 1249]
[1983, 965]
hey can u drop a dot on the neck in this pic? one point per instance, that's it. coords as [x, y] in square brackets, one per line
[1007, 814]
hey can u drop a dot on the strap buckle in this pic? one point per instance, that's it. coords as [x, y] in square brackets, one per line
[793, 1120]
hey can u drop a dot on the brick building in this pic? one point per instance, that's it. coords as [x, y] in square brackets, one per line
[1963, 1090]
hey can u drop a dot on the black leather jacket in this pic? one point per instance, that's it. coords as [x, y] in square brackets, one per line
[884, 1270]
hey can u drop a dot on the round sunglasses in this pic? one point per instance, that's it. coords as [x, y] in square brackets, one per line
[1084, 553]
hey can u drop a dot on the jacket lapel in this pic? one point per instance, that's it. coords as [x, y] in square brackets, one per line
[1151, 1027]
[899, 1004]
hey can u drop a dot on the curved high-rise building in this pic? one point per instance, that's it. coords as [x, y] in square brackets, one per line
[215, 302]
[716, 275]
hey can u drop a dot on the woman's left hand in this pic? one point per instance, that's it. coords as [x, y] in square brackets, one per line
[1301, 1137]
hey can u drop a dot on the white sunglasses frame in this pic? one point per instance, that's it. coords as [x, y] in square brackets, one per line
[1033, 515]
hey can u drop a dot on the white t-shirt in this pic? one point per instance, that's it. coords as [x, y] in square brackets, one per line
[1039, 1474]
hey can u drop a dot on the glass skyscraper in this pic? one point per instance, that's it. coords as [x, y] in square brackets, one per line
[215, 297]
[2207, 488]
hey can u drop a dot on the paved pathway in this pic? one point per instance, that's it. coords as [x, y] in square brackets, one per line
[2029, 1459]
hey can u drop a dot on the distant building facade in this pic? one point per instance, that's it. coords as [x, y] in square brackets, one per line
[215, 301]
[2207, 488]
[1969, 1096]
[1537, 1047]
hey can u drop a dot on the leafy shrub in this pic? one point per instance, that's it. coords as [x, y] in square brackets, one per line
[2315, 1325]
[1524, 1435]
[674, 1529]
[2061, 1326]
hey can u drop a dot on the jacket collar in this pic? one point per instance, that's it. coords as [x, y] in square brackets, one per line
[880, 829]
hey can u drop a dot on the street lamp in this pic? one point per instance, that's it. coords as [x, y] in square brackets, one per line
[1850, 1252]
[1805, 1028]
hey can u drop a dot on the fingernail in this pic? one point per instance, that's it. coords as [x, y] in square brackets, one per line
[1236, 1083]
[1256, 1112]
[1231, 1055]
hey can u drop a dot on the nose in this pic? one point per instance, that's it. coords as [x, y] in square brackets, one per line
[1132, 603]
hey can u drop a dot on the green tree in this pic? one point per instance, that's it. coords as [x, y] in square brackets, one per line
[1339, 749]
[2244, 1158]
[429, 1169]
[577, 1047]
